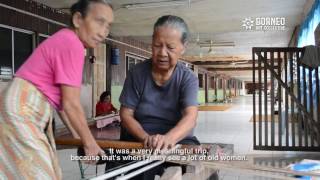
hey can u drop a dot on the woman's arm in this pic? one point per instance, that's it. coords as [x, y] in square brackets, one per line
[185, 125]
[180, 131]
[131, 124]
[72, 107]
[67, 123]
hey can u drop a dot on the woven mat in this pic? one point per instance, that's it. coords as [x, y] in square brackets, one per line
[268, 118]
[214, 108]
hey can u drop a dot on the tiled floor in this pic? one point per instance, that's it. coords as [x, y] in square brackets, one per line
[231, 127]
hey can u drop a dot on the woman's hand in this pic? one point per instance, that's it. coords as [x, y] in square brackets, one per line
[93, 150]
[75, 114]
[159, 142]
[131, 124]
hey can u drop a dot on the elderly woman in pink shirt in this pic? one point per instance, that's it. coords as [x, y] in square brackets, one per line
[50, 79]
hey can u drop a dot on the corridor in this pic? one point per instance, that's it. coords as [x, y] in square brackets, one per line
[230, 127]
[233, 127]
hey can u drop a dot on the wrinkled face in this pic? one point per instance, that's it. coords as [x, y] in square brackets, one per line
[167, 48]
[95, 26]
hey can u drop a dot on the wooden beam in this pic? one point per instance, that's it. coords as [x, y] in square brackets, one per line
[242, 62]
[206, 63]
[101, 143]
[215, 58]
[117, 144]
[235, 69]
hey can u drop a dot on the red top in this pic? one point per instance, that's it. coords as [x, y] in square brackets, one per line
[103, 108]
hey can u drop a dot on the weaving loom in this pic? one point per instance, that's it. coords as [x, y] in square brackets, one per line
[204, 169]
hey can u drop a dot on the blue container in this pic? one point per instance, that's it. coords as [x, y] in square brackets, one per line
[115, 56]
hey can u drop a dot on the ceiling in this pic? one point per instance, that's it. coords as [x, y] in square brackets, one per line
[214, 20]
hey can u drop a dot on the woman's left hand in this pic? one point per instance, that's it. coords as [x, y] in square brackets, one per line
[159, 142]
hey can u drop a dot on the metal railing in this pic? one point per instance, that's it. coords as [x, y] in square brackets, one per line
[286, 114]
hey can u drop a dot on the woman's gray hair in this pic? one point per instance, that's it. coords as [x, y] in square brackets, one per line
[174, 22]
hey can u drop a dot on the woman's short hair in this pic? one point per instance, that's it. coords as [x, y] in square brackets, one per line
[173, 22]
[82, 7]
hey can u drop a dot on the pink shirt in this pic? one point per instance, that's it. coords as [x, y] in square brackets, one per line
[58, 60]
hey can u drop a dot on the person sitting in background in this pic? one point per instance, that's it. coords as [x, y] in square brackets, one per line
[104, 106]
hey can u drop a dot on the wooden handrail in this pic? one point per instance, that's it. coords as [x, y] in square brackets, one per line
[119, 144]
[102, 143]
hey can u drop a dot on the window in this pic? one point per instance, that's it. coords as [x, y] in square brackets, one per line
[15, 47]
[42, 38]
[212, 83]
[22, 48]
[220, 84]
[5, 53]
[132, 60]
[188, 65]
[201, 83]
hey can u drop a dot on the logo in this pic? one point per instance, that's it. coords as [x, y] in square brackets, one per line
[248, 23]
[264, 23]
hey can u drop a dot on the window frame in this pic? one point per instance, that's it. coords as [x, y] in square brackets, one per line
[136, 58]
[43, 36]
[202, 82]
[212, 82]
[188, 65]
[13, 29]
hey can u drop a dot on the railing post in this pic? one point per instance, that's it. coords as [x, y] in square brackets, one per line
[296, 101]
